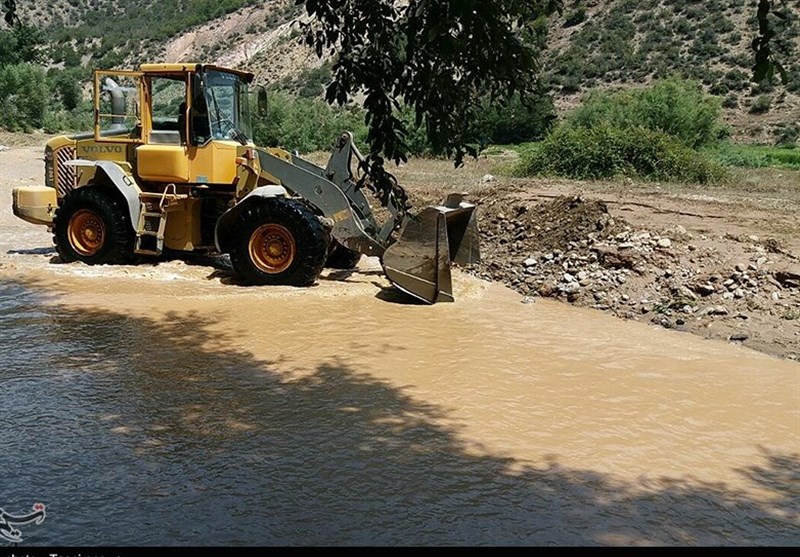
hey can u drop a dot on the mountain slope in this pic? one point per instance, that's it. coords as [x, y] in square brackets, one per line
[594, 43]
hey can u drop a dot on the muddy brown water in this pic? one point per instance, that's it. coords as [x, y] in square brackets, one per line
[162, 404]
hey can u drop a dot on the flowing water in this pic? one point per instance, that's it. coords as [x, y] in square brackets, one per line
[164, 405]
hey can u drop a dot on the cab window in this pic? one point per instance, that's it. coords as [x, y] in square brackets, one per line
[168, 96]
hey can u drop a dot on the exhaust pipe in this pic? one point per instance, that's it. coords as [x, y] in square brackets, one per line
[419, 262]
[117, 102]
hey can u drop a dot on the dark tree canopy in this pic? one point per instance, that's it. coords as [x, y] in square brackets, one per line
[11, 11]
[766, 63]
[442, 58]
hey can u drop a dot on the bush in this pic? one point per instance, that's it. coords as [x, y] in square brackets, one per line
[673, 106]
[605, 151]
[306, 125]
[23, 96]
[575, 18]
[761, 105]
[516, 122]
[730, 101]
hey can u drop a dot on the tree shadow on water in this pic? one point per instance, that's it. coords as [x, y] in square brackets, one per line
[179, 436]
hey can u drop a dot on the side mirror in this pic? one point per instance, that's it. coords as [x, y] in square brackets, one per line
[262, 104]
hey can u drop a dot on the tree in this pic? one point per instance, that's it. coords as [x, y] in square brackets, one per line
[11, 11]
[766, 63]
[441, 58]
[20, 44]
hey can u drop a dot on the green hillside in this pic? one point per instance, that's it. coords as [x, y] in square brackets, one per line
[593, 44]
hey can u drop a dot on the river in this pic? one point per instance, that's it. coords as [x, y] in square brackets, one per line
[164, 405]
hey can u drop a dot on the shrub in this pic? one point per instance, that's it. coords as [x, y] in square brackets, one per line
[605, 151]
[516, 122]
[672, 106]
[23, 96]
[305, 124]
[575, 18]
[730, 101]
[761, 105]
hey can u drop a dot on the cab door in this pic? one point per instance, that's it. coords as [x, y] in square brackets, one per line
[163, 157]
[119, 107]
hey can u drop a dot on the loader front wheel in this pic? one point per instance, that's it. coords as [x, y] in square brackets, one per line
[92, 225]
[278, 241]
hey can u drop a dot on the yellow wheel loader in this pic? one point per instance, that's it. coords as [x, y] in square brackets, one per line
[171, 165]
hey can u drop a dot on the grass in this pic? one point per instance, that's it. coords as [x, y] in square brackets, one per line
[756, 156]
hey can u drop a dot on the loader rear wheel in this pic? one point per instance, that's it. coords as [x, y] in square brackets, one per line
[278, 241]
[93, 226]
[340, 257]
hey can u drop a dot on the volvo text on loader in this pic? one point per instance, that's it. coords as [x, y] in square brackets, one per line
[171, 164]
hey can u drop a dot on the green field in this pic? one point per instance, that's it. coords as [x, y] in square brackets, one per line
[756, 156]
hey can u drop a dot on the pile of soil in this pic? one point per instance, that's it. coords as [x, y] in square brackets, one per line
[745, 290]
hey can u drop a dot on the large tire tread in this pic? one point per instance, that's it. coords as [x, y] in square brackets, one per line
[119, 242]
[310, 237]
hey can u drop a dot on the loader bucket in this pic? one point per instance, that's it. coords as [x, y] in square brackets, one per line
[418, 263]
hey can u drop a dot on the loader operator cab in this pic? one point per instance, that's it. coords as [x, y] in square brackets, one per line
[187, 122]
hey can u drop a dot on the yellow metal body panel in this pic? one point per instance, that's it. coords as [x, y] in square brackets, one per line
[90, 149]
[183, 225]
[59, 141]
[213, 163]
[162, 163]
[34, 204]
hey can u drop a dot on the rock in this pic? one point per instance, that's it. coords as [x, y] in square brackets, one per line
[738, 293]
[753, 238]
[568, 277]
[663, 321]
[487, 178]
[741, 268]
[664, 243]
[528, 299]
[775, 296]
[612, 258]
[717, 310]
[570, 287]
[704, 289]
[3, 148]
[547, 289]
[788, 277]
[530, 262]
[739, 337]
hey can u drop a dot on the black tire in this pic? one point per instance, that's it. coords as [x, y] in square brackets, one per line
[340, 257]
[278, 241]
[92, 225]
